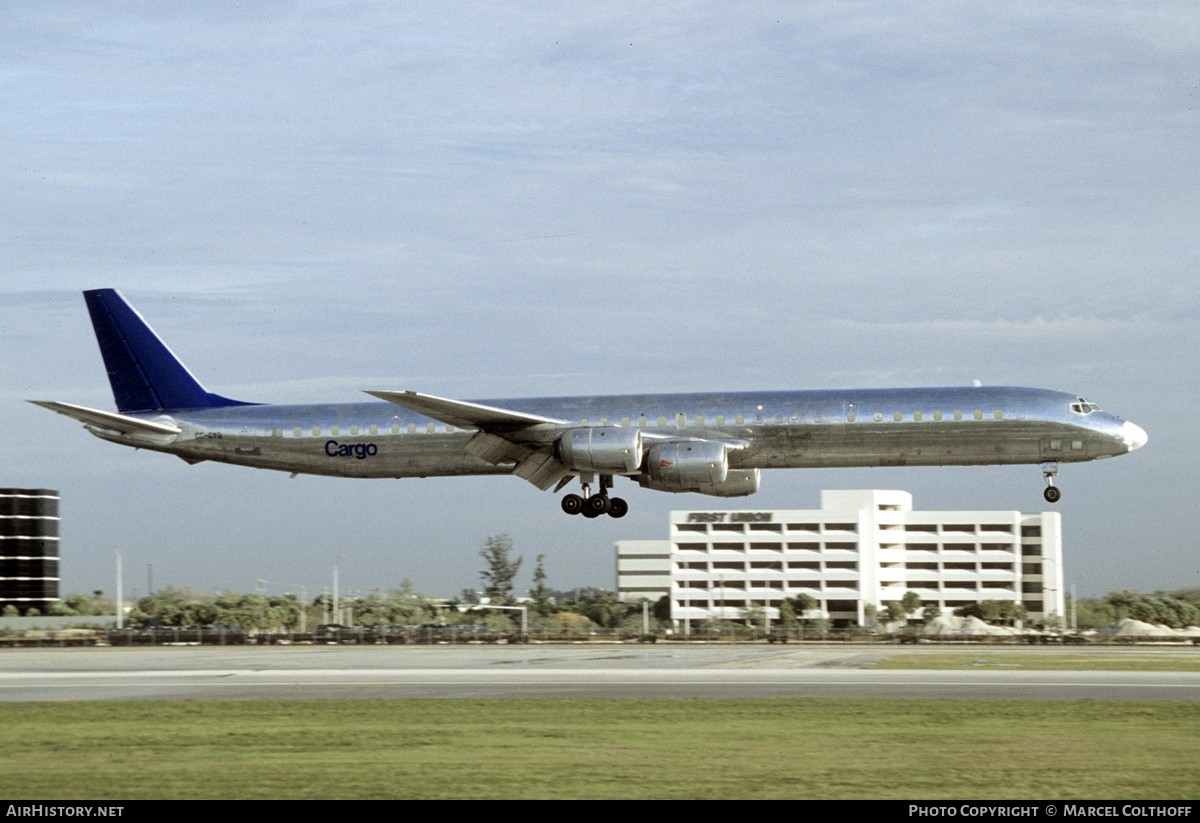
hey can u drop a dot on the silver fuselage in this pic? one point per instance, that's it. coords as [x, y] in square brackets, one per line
[799, 429]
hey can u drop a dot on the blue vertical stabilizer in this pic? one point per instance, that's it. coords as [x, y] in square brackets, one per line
[144, 373]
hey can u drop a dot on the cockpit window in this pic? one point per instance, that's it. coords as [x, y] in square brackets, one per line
[1084, 407]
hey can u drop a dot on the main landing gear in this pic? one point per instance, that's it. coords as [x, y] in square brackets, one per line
[1052, 492]
[594, 505]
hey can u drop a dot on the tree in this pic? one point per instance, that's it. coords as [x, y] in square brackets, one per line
[542, 602]
[894, 612]
[754, 614]
[993, 611]
[801, 603]
[661, 610]
[898, 610]
[501, 568]
[869, 612]
[602, 607]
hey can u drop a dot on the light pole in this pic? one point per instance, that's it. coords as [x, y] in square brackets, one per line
[1074, 580]
[120, 596]
[337, 615]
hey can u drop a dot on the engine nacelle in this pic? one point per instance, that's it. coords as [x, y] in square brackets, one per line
[688, 465]
[738, 483]
[696, 467]
[606, 449]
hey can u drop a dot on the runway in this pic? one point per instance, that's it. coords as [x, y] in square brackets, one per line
[315, 672]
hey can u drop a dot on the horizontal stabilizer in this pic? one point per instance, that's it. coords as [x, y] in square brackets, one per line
[462, 414]
[160, 433]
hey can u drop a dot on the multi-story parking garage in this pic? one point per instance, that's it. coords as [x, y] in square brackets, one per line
[28, 548]
[859, 548]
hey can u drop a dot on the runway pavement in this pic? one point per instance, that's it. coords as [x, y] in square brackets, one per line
[309, 672]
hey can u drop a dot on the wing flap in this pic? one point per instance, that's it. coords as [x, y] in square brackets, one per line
[541, 469]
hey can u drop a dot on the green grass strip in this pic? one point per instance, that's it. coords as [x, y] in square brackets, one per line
[602, 748]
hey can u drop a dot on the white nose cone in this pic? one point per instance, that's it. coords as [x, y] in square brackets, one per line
[1135, 436]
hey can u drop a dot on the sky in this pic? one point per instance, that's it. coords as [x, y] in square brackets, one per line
[309, 199]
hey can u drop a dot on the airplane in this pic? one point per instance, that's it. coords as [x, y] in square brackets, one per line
[713, 444]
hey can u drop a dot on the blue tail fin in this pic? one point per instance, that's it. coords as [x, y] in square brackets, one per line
[145, 374]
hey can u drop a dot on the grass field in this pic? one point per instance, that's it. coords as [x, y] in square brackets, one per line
[613, 748]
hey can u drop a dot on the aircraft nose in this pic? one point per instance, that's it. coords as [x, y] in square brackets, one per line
[1135, 436]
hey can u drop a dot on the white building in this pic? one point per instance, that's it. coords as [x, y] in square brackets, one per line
[859, 548]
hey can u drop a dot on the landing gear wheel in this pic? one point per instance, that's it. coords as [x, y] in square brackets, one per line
[617, 507]
[597, 503]
[1049, 470]
[572, 504]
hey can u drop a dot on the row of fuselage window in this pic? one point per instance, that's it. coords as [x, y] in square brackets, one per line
[642, 422]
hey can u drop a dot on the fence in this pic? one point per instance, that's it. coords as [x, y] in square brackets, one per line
[479, 635]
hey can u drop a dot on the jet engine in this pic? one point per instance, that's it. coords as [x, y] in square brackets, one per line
[606, 450]
[701, 467]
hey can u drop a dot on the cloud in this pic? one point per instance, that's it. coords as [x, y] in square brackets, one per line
[564, 198]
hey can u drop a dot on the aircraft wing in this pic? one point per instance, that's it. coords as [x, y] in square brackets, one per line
[492, 442]
[133, 427]
[465, 415]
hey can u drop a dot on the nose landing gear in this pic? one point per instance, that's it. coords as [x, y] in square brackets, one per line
[594, 505]
[1052, 492]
